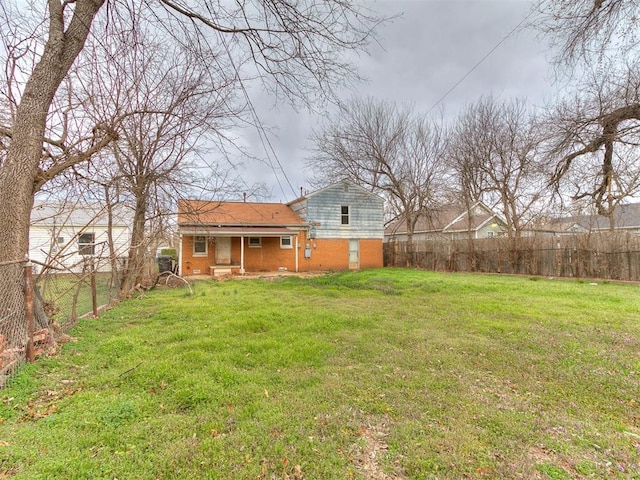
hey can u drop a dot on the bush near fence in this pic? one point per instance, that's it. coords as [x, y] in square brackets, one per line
[614, 256]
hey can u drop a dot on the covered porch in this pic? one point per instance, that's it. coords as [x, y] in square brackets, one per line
[236, 250]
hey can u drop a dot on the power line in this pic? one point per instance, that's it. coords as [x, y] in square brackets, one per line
[495, 47]
[264, 138]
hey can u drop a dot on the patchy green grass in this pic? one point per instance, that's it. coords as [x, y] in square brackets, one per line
[62, 290]
[355, 375]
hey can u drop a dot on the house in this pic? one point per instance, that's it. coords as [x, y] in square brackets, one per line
[626, 218]
[339, 227]
[450, 223]
[65, 235]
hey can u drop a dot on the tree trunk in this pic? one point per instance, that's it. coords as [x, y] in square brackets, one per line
[20, 169]
[411, 257]
[135, 263]
[21, 166]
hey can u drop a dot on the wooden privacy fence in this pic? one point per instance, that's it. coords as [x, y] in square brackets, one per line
[609, 256]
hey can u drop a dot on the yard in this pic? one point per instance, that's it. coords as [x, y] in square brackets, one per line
[381, 374]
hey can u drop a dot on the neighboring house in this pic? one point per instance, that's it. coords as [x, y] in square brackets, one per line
[64, 236]
[339, 227]
[626, 219]
[451, 223]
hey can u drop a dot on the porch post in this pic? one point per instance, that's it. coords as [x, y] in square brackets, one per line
[180, 255]
[241, 254]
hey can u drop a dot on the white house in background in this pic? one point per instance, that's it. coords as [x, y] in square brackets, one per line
[64, 235]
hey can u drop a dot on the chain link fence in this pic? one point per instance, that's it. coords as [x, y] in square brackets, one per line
[71, 294]
[36, 309]
[14, 321]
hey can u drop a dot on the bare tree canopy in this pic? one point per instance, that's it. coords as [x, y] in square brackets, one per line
[588, 28]
[590, 134]
[594, 135]
[388, 149]
[494, 152]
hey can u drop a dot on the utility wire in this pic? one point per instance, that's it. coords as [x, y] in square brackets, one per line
[496, 46]
[264, 138]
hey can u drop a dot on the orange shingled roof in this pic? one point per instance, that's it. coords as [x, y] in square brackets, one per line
[199, 212]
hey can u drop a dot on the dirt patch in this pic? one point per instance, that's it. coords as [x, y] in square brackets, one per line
[368, 452]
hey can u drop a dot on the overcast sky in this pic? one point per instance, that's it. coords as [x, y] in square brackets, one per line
[422, 55]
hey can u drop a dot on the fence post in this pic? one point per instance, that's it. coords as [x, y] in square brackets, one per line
[28, 297]
[94, 293]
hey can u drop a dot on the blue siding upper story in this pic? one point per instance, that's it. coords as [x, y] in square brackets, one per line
[323, 211]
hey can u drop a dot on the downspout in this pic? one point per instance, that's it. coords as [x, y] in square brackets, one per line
[296, 253]
[241, 254]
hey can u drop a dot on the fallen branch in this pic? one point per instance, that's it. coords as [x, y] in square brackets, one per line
[173, 275]
[130, 370]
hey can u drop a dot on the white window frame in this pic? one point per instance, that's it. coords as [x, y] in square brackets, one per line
[491, 234]
[84, 246]
[284, 245]
[344, 215]
[257, 244]
[199, 239]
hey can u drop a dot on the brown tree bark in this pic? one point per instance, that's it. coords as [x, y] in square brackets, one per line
[132, 275]
[20, 170]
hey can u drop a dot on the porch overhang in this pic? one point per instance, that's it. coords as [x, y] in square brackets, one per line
[240, 231]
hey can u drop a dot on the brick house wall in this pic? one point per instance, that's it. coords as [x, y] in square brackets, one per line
[269, 256]
[326, 254]
[333, 254]
[195, 265]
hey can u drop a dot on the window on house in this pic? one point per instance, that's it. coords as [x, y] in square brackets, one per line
[199, 246]
[255, 242]
[344, 217]
[60, 240]
[87, 244]
[491, 234]
[286, 242]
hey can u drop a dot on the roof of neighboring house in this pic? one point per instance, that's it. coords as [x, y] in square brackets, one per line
[625, 217]
[78, 214]
[447, 219]
[241, 214]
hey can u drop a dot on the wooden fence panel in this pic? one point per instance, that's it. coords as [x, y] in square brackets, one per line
[608, 256]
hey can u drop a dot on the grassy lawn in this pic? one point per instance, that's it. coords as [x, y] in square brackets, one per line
[63, 289]
[384, 374]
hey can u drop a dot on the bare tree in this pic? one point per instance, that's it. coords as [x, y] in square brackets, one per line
[595, 134]
[494, 152]
[389, 150]
[166, 107]
[588, 29]
[296, 48]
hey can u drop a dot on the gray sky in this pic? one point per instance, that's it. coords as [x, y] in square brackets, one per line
[422, 55]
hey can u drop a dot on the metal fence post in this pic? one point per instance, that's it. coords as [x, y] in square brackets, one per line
[94, 292]
[28, 296]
